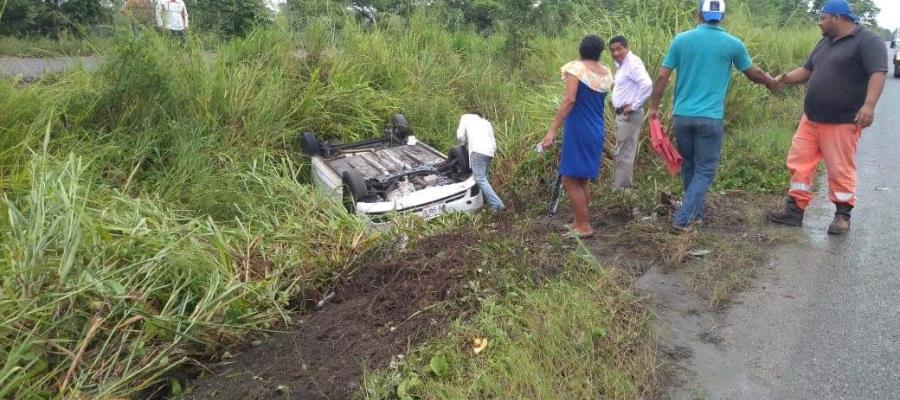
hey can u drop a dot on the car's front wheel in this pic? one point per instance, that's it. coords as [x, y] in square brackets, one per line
[309, 144]
[398, 129]
[354, 190]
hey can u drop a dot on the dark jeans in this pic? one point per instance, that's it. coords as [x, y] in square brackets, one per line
[180, 35]
[700, 143]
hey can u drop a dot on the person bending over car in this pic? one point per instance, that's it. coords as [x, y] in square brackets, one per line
[477, 134]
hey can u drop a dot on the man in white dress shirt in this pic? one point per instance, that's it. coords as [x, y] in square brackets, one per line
[633, 87]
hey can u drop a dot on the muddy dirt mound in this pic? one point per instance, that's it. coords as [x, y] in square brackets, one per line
[395, 302]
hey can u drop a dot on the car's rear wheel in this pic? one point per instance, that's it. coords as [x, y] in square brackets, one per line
[354, 190]
[460, 155]
[309, 144]
[398, 129]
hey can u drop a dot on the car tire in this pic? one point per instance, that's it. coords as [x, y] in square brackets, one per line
[309, 144]
[354, 190]
[460, 155]
[399, 129]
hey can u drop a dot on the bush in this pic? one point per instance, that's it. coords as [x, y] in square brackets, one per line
[229, 18]
[38, 17]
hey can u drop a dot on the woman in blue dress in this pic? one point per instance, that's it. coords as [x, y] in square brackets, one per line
[581, 116]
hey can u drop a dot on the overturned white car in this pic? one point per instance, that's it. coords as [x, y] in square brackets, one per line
[393, 174]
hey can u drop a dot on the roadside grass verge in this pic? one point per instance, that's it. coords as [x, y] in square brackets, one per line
[579, 334]
[103, 293]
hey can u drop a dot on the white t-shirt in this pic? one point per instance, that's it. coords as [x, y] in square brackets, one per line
[172, 15]
[476, 133]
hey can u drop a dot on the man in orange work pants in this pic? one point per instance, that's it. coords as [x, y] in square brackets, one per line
[845, 74]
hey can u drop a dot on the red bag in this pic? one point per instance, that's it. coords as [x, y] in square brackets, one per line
[661, 145]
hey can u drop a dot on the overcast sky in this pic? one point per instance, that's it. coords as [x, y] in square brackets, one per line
[890, 13]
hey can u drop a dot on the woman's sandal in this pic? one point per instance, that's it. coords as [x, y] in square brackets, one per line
[572, 234]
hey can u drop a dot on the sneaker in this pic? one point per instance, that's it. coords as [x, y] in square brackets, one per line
[790, 214]
[680, 229]
[840, 225]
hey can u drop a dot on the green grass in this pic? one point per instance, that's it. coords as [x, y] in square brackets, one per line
[580, 335]
[157, 210]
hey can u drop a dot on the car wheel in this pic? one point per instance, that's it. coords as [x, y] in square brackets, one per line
[354, 190]
[460, 154]
[399, 129]
[309, 144]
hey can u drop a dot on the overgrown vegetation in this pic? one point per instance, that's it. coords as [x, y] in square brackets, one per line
[157, 211]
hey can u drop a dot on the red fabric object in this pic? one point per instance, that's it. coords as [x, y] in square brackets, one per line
[661, 145]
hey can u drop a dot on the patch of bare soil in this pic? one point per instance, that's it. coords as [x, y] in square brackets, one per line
[635, 241]
[393, 303]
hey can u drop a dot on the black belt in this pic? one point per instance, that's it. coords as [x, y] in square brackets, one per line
[621, 110]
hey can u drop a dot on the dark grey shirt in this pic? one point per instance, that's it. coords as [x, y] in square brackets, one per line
[840, 75]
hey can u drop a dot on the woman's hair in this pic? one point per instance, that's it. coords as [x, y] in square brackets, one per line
[591, 47]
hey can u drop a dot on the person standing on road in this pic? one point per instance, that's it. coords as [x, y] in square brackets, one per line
[477, 134]
[845, 74]
[703, 58]
[581, 116]
[633, 87]
[172, 16]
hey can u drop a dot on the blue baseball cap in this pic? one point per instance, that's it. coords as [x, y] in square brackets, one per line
[839, 7]
[712, 10]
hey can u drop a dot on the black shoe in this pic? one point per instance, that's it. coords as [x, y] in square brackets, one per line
[790, 214]
[841, 223]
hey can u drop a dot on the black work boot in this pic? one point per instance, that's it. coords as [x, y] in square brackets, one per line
[790, 214]
[841, 223]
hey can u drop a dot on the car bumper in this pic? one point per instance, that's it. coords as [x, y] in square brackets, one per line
[428, 204]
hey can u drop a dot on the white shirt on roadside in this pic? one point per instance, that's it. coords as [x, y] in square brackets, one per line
[633, 83]
[476, 133]
[172, 15]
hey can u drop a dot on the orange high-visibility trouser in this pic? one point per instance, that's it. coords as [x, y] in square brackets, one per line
[836, 143]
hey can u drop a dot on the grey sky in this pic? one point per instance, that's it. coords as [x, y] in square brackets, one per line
[890, 13]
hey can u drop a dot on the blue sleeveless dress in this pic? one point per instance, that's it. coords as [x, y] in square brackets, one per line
[583, 135]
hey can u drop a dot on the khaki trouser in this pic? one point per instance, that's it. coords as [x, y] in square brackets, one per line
[836, 144]
[628, 131]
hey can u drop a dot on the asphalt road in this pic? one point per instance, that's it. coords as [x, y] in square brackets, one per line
[824, 320]
[844, 342]
[30, 68]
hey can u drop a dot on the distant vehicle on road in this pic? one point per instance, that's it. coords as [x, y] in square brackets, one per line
[894, 45]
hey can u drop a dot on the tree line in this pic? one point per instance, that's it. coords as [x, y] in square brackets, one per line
[230, 18]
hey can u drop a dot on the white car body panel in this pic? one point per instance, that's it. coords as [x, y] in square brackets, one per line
[428, 203]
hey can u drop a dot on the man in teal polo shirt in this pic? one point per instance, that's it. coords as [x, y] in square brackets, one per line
[703, 58]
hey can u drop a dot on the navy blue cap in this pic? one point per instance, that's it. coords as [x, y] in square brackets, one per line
[839, 7]
[712, 10]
